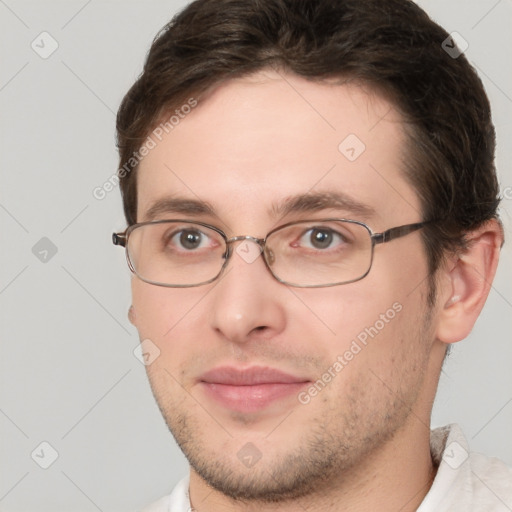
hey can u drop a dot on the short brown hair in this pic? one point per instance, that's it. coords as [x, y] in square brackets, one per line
[391, 45]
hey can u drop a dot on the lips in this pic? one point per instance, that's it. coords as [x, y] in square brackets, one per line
[251, 389]
[249, 377]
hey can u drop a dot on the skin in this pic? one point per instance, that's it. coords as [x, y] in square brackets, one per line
[363, 442]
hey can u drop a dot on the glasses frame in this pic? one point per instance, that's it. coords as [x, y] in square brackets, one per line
[121, 239]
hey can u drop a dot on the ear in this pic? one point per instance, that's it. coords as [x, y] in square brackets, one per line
[466, 280]
[131, 316]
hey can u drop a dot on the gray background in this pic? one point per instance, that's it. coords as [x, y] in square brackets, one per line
[68, 375]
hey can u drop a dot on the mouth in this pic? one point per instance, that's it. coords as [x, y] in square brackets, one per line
[251, 389]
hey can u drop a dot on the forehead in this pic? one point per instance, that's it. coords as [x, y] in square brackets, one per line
[256, 141]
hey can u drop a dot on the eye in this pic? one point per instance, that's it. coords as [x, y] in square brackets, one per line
[189, 239]
[321, 238]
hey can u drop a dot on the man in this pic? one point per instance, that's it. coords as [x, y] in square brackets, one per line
[311, 203]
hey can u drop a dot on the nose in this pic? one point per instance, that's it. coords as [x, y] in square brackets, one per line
[247, 302]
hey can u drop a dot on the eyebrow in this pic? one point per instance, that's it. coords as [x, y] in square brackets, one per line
[317, 201]
[180, 205]
[300, 203]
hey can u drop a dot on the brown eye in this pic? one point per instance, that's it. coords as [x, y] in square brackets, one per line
[190, 239]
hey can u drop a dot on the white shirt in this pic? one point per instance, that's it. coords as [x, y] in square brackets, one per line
[465, 482]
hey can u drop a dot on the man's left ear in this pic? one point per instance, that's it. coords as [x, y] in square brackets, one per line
[466, 280]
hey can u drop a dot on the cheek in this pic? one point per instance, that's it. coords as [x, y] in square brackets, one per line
[344, 312]
[367, 324]
[379, 345]
[162, 312]
[150, 309]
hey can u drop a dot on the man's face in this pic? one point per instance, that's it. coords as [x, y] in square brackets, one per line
[253, 145]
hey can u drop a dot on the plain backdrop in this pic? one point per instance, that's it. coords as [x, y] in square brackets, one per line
[68, 374]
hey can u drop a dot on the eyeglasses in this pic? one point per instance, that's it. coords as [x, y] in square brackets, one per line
[305, 254]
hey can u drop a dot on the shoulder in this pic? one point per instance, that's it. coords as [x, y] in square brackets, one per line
[177, 501]
[491, 481]
[466, 481]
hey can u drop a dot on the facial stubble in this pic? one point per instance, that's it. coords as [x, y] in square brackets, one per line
[332, 444]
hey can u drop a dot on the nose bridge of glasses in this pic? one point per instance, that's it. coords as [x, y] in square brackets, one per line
[259, 241]
[244, 250]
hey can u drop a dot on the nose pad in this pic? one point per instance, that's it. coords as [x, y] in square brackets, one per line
[269, 256]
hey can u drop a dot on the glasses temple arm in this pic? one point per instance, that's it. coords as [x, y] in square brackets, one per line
[119, 239]
[399, 231]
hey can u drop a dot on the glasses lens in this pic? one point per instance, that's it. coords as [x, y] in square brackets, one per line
[176, 253]
[320, 253]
